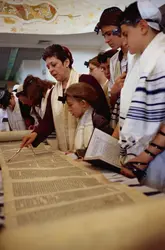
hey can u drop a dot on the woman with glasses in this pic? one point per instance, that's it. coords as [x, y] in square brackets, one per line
[96, 71]
[100, 69]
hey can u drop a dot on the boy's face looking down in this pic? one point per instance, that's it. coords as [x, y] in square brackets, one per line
[110, 36]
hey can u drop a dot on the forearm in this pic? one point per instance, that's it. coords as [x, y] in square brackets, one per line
[45, 127]
[116, 132]
[43, 130]
[113, 100]
[156, 146]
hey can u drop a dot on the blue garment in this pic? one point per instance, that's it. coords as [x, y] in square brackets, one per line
[155, 177]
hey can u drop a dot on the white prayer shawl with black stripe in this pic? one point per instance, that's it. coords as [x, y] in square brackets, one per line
[142, 107]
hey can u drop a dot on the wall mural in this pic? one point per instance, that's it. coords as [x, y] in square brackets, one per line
[54, 16]
[26, 12]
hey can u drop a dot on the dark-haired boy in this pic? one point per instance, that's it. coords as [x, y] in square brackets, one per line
[109, 24]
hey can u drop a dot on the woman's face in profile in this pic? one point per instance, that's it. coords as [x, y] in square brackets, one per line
[95, 71]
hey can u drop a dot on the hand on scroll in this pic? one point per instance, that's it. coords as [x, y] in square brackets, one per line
[28, 139]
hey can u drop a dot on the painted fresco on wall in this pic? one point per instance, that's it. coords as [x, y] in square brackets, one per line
[26, 12]
[54, 16]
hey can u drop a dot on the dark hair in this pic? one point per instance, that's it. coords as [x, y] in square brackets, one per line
[61, 52]
[94, 61]
[102, 105]
[83, 91]
[131, 15]
[110, 16]
[39, 87]
[162, 10]
[103, 56]
[5, 99]
[43, 85]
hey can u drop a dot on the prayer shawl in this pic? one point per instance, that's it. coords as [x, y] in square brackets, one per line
[84, 130]
[117, 67]
[114, 69]
[15, 118]
[143, 99]
[65, 124]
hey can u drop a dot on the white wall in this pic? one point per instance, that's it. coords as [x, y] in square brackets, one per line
[27, 67]
[38, 67]
[80, 56]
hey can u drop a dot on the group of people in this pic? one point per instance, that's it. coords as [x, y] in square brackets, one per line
[124, 94]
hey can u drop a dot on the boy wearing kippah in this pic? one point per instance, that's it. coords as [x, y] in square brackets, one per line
[109, 24]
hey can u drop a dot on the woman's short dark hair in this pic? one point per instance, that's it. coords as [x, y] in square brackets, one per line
[61, 52]
[5, 100]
